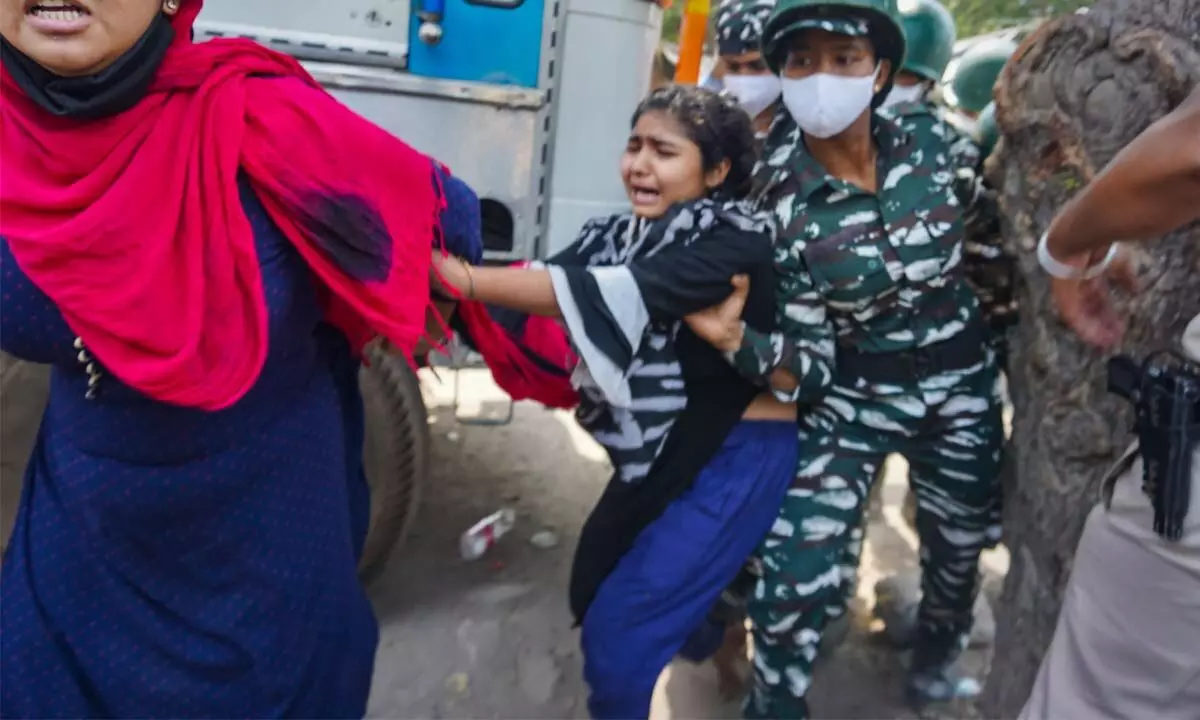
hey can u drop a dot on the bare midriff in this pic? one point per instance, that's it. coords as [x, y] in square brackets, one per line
[766, 407]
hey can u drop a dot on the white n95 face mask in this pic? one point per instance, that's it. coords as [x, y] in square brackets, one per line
[754, 93]
[824, 105]
[904, 94]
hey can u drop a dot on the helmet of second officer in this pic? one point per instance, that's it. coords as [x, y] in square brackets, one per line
[929, 33]
[971, 80]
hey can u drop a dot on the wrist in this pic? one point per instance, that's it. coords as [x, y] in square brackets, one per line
[1066, 265]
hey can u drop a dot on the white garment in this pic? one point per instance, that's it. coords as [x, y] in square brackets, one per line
[1127, 645]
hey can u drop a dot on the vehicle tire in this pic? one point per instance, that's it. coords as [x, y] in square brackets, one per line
[24, 389]
[395, 453]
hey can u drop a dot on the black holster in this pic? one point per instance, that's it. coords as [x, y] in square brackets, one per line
[1165, 392]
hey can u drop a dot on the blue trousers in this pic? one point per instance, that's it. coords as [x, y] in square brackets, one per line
[664, 587]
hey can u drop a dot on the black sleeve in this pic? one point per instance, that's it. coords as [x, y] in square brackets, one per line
[685, 278]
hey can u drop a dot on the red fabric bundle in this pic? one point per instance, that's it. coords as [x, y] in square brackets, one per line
[133, 224]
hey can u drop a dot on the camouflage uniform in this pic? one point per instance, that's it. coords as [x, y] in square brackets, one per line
[871, 275]
[989, 266]
[988, 270]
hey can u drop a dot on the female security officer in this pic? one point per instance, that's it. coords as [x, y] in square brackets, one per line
[884, 340]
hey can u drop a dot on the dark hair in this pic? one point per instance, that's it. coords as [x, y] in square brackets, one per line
[716, 124]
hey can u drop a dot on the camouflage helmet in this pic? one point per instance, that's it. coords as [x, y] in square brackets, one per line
[987, 134]
[929, 33]
[974, 75]
[739, 25]
[876, 19]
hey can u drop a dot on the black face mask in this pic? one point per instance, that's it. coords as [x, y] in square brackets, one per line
[113, 90]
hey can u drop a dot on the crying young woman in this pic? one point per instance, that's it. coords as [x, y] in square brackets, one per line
[701, 457]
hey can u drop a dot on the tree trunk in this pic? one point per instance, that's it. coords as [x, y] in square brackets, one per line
[1079, 89]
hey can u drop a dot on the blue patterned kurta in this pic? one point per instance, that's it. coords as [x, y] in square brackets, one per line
[174, 562]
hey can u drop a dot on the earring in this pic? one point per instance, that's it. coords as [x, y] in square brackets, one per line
[171, 7]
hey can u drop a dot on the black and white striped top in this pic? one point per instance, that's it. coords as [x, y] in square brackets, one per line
[623, 300]
[659, 399]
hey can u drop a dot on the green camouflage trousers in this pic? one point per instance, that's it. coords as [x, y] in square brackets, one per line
[950, 430]
[852, 555]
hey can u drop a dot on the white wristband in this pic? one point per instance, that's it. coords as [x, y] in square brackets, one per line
[1062, 271]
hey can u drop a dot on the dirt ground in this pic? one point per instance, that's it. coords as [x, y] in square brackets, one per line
[492, 638]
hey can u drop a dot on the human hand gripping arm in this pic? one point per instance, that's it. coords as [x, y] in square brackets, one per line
[796, 360]
[1150, 188]
[606, 309]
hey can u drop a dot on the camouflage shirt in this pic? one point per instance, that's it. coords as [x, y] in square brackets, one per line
[876, 272]
[990, 268]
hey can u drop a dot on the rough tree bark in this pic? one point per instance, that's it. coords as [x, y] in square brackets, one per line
[1079, 89]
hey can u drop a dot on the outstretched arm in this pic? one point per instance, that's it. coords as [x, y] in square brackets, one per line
[527, 290]
[664, 286]
[524, 289]
[606, 309]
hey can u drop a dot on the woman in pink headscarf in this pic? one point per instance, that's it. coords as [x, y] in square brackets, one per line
[192, 235]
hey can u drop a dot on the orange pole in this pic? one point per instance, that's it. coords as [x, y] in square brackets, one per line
[691, 41]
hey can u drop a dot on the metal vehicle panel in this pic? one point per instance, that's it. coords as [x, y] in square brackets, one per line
[607, 52]
[373, 31]
[492, 41]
